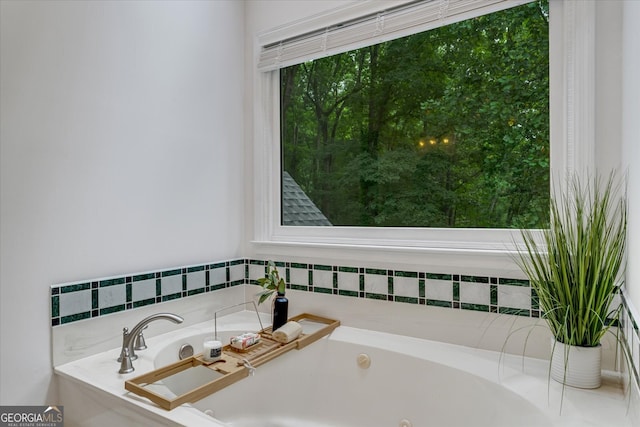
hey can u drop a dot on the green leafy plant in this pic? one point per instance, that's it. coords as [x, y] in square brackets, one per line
[272, 282]
[575, 269]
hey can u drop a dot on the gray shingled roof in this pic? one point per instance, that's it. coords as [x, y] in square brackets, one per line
[297, 207]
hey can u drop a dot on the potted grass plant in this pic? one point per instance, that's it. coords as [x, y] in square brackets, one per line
[576, 268]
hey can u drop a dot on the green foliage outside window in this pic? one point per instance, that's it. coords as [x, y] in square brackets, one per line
[445, 128]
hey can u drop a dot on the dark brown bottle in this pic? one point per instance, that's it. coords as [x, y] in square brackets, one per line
[280, 311]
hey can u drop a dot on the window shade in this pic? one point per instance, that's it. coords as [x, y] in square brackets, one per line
[378, 27]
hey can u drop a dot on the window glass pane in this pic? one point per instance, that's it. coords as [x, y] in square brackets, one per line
[444, 128]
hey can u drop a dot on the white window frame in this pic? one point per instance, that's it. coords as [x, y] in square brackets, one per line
[572, 130]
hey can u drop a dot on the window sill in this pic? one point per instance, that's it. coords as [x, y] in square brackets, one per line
[441, 257]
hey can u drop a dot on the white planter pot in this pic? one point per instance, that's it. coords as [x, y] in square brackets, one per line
[577, 366]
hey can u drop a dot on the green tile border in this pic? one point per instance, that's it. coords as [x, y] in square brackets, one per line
[434, 276]
[439, 303]
[491, 305]
[474, 307]
[114, 309]
[514, 311]
[75, 288]
[409, 274]
[347, 293]
[144, 302]
[146, 276]
[474, 279]
[55, 306]
[407, 300]
[455, 280]
[513, 282]
[75, 317]
[195, 291]
[173, 272]
[112, 282]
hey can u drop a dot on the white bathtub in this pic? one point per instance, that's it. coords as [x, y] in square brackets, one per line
[410, 382]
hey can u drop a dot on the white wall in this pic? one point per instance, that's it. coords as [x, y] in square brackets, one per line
[267, 15]
[631, 139]
[121, 151]
[608, 130]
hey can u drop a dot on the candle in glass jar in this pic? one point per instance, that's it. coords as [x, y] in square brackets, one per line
[212, 350]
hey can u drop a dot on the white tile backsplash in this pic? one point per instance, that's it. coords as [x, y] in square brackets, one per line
[111, 296]
[195, 280]
[75, 302]
[236, 272]
[439, 290]
[143, 289]
[406, 286]
[323, 279]
[217, 276]
[475, 293]
[171, 284]
[299, 276]
[514, 296]
[257, 272]
[348, 281]
[376, 283]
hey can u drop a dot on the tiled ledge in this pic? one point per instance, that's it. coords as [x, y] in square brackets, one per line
[95, 298]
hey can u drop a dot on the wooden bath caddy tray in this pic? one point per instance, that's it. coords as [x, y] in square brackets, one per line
[231, 367]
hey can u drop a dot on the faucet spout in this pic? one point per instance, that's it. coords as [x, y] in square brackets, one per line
[128, 338]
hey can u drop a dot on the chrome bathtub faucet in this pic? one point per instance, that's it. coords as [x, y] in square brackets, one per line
[128, 338]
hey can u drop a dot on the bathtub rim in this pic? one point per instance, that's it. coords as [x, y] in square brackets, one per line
[99, 372]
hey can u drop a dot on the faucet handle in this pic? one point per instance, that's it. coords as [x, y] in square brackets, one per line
[125, 350]
[140, 344]
[125, 362]
[125, 332]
